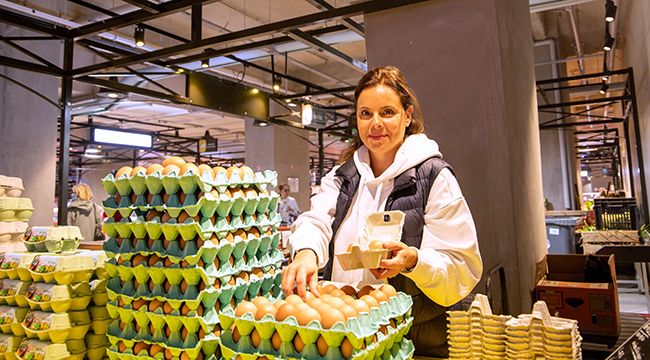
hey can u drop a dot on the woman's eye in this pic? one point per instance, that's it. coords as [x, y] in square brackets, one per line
[365, 114]
[387, 112]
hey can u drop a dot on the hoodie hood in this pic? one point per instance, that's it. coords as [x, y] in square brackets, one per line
[86, 205]
[414, 150]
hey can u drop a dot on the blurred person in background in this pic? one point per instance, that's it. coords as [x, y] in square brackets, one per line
[288, 206]
[84, 213]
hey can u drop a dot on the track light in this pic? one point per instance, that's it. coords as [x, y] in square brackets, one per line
[276, 85]
[255, 91]
[610, 11]
[260, 123]
[138, 36]
[205, 63]
[603, 88]
[609, 41]
[605, 76]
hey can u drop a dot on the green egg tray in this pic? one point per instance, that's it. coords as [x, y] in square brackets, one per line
[115, 355]
[11, 319]
[8, 346]
[58, 298]
[192, 321]
[390, 346]
[12, 292]
[10, 261]
[60, 327]
[208, 251]
[192, 345]
[155, 183]
[30, 349]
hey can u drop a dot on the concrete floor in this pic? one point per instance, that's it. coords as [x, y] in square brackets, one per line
[633, 302]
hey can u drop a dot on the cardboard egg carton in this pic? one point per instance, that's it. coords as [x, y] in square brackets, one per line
[13, 292]
[57, 328]
[58, 298]
[12, 231]
[11, 261]
[124, 349]
[77, 349]
[32, 349]
[11, 186]
[96, 345]
[11, 319]
[8, 346]
[15, 209]
[99, 294]
[62, 269]
[101, 319]
[52, 238]
[189, 182]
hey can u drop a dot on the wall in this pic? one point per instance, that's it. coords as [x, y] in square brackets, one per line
[473, 73]
[28, 126]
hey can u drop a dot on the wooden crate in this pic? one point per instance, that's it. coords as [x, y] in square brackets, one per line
[610, 236]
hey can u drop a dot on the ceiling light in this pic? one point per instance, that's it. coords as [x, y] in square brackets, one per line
[111, 94]
[603, 88]
[307, 114]
[292, 104]
[260, 123]
[205, 63]
[92, 149]
[610, 11]
[138, 36]
[276, 83]
[180, 70]
[287, 100]
[609, 42]
[255, 91]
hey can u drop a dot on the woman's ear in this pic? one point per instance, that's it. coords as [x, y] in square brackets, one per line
[409, 115]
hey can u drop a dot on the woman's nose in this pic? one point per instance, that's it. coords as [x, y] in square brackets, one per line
[377, 121]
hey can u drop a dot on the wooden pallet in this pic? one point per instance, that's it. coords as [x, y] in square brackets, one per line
[610, 237]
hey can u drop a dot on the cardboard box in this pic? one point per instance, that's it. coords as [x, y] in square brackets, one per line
[583, 288]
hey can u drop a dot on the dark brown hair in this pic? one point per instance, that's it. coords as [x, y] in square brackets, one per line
[393, 78]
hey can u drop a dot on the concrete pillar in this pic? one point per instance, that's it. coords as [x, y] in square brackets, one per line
[28, 126]
[471, 64]
[284, 150]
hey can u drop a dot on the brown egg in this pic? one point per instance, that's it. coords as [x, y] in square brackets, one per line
[250, 193]
[200, 310]
[392, 323]
[263, 310]
[294, 299]
[298, 344]
[185, 309]
[383, 329]
[327, 289]
[155, 349]
[174, 160]
[183, 286]
[331, 316]
[155, 304]
[168, 331]
[389, 290]
[186, 356]
[230, 238]
[155, 167]
[247, 170]
[184, 216]
[255, 338]
[124, 170]
[121, 347]
[137, 260]
[120, 261]
[171, 169]
[187, 167]
[348, 299]
[219, 170]
[258, 272]
[203, 168]
[166, 218]
[138, 170]
[150, 242]
[376, 245]
[245, 307]
[371, 301]
[184, 333]
[152, 329]
[276, 341]
[315, 303]
[232, 171]
[152, 214]
[338, 293]
[336, 302]
[168, 262]
[348, 311]
[278, 303]
[151, 285]
[136, 326]
[139, 346]
[138, 303]
[305, 316]
[260, 300]
[167, 308]
[201, 333]
[254, 231]
[364, 291]
[349, 290]
[346, 348]
[379, 295]
[168, 354]
[214, 239]
[153, 259]
[321, 345]
[243, 275]
[285, 311]
[235, 334]
[325, 297]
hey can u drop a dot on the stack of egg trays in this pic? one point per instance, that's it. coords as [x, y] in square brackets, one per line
[364, 333]
[190, 182]
[15, 209]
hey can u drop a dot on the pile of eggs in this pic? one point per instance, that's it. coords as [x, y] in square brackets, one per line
[333, 306]
[155, 350]
[180, 167]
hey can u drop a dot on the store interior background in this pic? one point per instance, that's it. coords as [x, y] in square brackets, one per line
[474, 73]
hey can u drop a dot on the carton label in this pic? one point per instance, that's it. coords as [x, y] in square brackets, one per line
[7, 315]
[10, 261]
[40, 292]
[4, 344]
[9, 287]
[44, 264]
[35, 234]
[31, 350]
[37, 321]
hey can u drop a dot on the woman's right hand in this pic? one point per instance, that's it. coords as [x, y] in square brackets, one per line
[302, 271]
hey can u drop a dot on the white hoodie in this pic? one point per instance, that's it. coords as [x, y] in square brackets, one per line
[449, 263]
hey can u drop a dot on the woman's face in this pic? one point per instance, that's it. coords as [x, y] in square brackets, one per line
[381, 120]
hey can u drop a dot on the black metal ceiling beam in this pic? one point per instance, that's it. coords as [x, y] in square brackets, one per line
[610, 100]
[29, 23]
[197, 21]
[134, 89]
[349, 23]
[581, 77]
[317, 92]
[30, 38]
[578, 123]
[145, 5]
[29, 66]
[328, 50]
[283, 25]
[594, 131]
[18, 83]
[133, 17]
[30, 53]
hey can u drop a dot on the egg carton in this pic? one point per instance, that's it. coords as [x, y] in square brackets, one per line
[52, 238]
[189, 182]
[196, 250]
[31, 349]
[389, 344]
[11, 261]
[57, 328]
[96, 345]
[8, 346]
[99, 294]
[192, 346]
[58, 298]
[77, 349]
[11, 319]
[143, 350]
[101, 319]
[125, 296]
[11, 186]
[62, 269]
[12, 231]
[204, 204]
[13, 292]
[15, 209]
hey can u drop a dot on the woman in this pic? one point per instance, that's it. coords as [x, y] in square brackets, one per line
[84, 213]
[392, 165]
[288, 206]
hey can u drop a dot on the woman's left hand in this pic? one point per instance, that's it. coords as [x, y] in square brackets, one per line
[401, 257]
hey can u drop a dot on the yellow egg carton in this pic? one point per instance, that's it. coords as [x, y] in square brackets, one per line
[15, 209]
[11, 319]
[52, 238]
[13, 292]
[99, 292]
[8, 346]
[101, 319]
[11, 186]
[96, 346]
[59, 298]
[11, 261]
[57, 328]
[12, 231]
[63, 269]
[31, 349]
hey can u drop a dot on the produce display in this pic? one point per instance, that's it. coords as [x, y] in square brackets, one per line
[186, 241]
[478, 334]
[342, 323]
[14, 213]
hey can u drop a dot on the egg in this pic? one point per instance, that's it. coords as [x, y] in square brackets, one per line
[260, 300]
[392, 323]
[307, 315]
[140, 346]
[138, 170]
[325, 297]
[258, 272]
[255, 338]
[389, 290]
[152, 214]
[166, 218]
[183, 286]
[254, 231]
[376, 245]
[243, 275]
[331, 316]
[233, 170]
[298, 344]
[251, 193]
[125, 170]
[230, 238]
[186, 356]
[348, 299]
[348, 311]
[204, 168]
[168, 262]
[121, 347]
[153, 260]
[155, 168]
[174, 160]
[187, 167]
[184, 333]
[155, 349]
[365, 291]
[328, 289]
[235, 334]
[151, 285]
[285, 311]
[200, 310]
[167, 308]
[349, 290]
[276, 341]
[201, 333]
[247, 170]
[150, 243]
[152, 329]
[315, 303]
[263, 310]
[171, 169]
[278, 303]
[168, 332]
[336, 302]
[219, 170]
[168, 354]
[238, 192]
[138, 303]
[379, 295]
[346, 348]
[321, 345]
[185, 309]
[245, 307]
[155, 304]
[137, 260]
[383, 329]
[184, 216]
[338, 293]
[371, 301]
[360, 306]
[294, 299]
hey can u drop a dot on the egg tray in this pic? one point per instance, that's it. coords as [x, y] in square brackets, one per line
[31, 349]
[96, 346]
[11, 319]
[15, 209]
[206, 204]
[207, 354]
[194, 250]
[13, 292]
[12, 231]
[391, 345]
[62, 269]
[158, 319]
[209, 298]
[52, 239]
[8, 346]
[101, 319]
[355, 329]
[10, 261]
[192, 345]
[11, 186]
[99, 294]
[57, 328]
[58, 298]
[155, 183]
